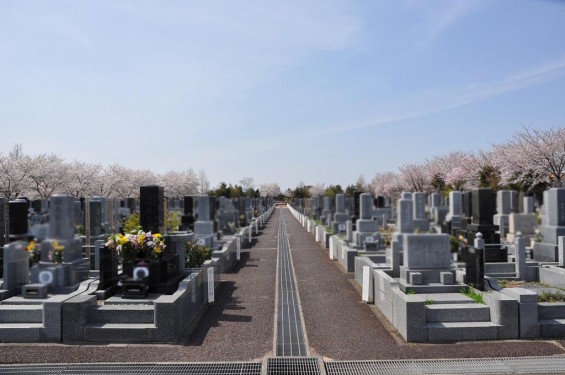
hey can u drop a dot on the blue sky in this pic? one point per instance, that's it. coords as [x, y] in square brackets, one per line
[281, 91]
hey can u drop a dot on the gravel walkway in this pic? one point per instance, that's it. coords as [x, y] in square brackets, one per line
[340, 326]
[238, 327]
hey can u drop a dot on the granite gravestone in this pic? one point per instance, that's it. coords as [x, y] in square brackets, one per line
[18, 211]
[552, 225]
[152, 208]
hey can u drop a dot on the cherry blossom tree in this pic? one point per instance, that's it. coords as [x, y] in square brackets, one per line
[387, 184]
[180, 184]
[271, 189]
[14, 173]
[534, 153]
[415, 177]
[317, 189]
[47, 174]
[82, 179]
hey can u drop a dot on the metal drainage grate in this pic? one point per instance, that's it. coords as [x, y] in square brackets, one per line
[220, 368]
[290, 338]
[525, 365]
[296, 365]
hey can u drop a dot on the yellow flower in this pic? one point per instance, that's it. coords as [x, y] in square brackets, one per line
[158, 236]
[123, 240]
[141, 239]
[58, 247]
[158, 250]
[31, 246]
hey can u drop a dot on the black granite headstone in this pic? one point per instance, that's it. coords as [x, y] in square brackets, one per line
[188, 205]
[483, 206]
[474, 267]
[95, 217]
[152, 208]
[36, 205]
[18, 211]
[380, 201]
[4, 221]
[131, 203]
[108, 268]
[467, 203]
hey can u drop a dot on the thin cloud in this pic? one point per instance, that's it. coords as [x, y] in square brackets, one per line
[548, 71]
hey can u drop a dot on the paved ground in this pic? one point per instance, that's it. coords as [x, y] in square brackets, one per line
[239, 326]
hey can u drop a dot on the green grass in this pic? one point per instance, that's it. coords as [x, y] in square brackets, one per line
[471, 293]
[428, 301]
[551, 297]
[410, 291]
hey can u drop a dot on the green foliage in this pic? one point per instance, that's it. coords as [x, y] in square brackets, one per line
[172, 221]
[489, 177]
[454, 243]
[301, 192]
[438, 183]
[350, 190]
[230, 191]
[387, 234]
[196, 254]
[410, 291]
[132, 223]
[473, 294]
[551, 297]
[428, 301]
[332, 190]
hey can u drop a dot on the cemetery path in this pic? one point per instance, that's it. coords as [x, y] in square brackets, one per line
[340, 326]
[237, 327]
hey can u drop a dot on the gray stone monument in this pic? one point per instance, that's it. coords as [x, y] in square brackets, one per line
[204, 227]
[340, 217]
[552, 225]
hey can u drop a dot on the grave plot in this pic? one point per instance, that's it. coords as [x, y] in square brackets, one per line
[431, 286]
[140, 287]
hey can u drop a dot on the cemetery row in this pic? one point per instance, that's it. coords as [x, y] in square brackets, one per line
[150, 285]
[478, 265]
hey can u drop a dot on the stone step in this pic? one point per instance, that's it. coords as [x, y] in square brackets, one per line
[461, 331]
[465, 312]
[21, 313]
[119, 332]
[551, 310]
[503, 275]
[552, 327]
[121, 314]
[496, 267]
[448, 298]
[21, 332]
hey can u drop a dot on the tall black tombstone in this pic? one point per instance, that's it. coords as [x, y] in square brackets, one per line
[4, 221]
[380, 201]
[152, 208]
[187, 219]
[474, 267]
[484, 208]
[131, 203]
[36, 205]
[17, 212]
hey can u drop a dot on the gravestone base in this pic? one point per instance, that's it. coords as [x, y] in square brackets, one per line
[428, 280]
[135, 289]
[545, 252]
[34, 291]
[104, 294]
[496, 255]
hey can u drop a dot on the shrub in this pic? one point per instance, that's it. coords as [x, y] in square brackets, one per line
[196, 254]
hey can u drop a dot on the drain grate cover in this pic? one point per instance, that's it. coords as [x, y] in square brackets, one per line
[524, 365]
[290, 333]
[221, 368]
[293, 365]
